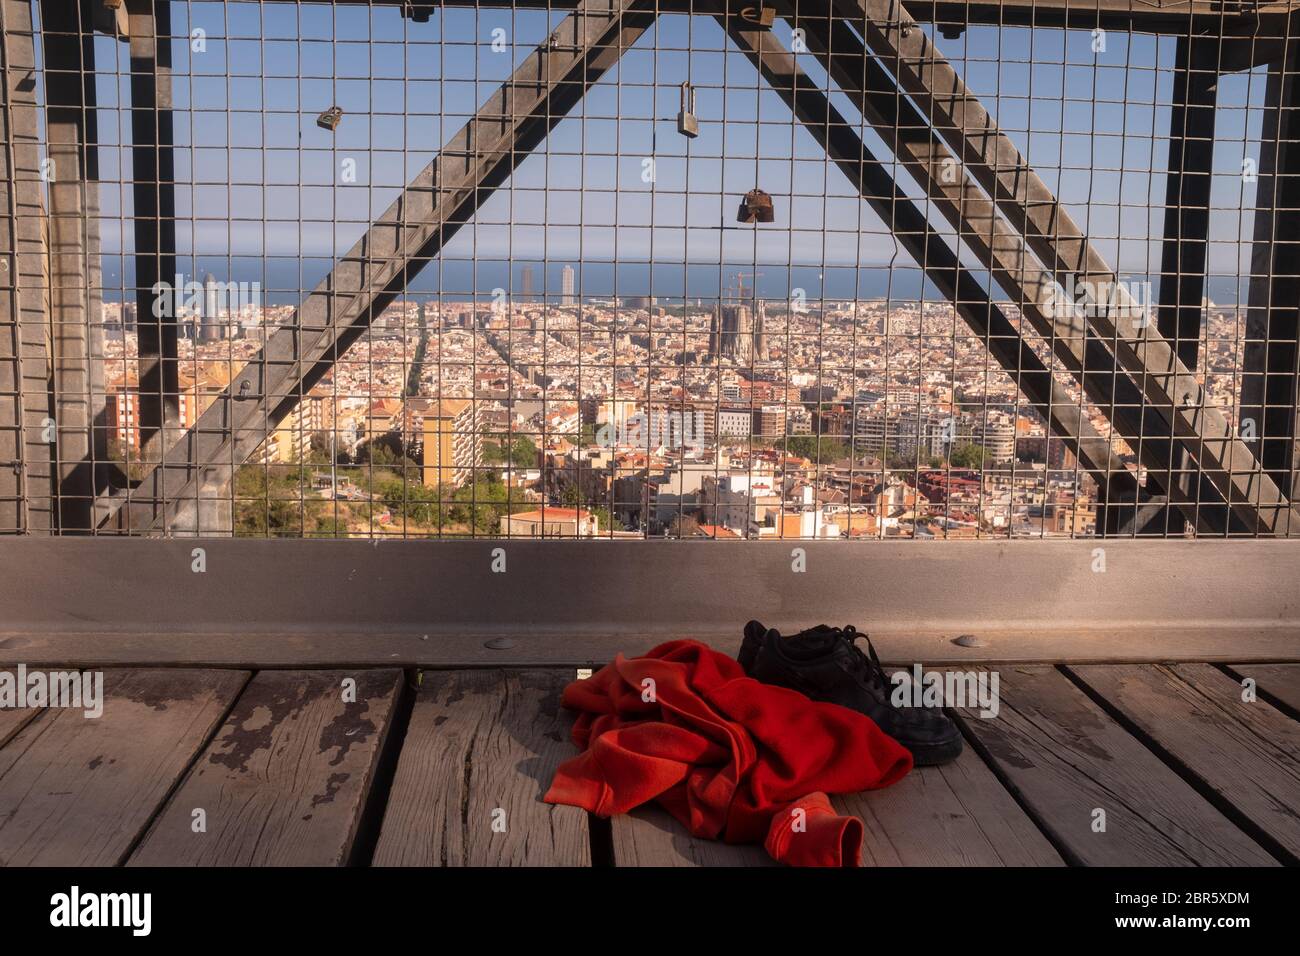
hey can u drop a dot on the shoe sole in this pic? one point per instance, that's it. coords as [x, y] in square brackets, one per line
[933, 755]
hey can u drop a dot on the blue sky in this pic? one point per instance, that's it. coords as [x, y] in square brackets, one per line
[1093, 125]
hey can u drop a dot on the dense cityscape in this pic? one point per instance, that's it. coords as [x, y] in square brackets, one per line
[735, 418]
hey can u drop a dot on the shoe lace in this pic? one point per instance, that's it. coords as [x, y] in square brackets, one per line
[864, 664]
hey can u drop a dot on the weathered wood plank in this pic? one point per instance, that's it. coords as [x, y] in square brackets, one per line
[285, 779]
[1247, 752]
[1280, 680]
[481, 749]
[649, 836]
[13, 719]
[958, 815]
[79, 792]
[954, 815]
[1067, 758]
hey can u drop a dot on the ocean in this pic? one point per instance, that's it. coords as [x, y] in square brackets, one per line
[284, 280]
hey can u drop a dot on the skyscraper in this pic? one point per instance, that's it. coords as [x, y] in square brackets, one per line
[209, 330]
[526, 283]
[566, 286]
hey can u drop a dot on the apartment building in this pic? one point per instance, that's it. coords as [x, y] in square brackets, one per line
[122, 400]
[735, 422]
[452, 449]
[292, 439]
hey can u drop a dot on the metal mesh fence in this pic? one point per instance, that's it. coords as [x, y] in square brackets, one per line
[612, 269]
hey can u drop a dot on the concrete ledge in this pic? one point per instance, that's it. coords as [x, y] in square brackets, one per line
[533, 649]
[437, 602]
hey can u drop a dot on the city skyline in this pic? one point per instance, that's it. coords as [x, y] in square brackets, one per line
[885, 389]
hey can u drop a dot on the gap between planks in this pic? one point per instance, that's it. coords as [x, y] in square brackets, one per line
[1241, 753]
[1074, 768]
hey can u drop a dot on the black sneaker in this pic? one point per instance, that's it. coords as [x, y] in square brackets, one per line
[826, 664]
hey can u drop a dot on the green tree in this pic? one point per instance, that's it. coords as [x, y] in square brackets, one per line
[481, 505]
[967, 456]
[523, 453]
[605, 520]
[821, 449]
[519, 453]
[266, 505]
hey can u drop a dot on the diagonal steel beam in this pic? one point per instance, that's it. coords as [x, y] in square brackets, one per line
[1108, 310]
[441, 199]
[908, 223]
[958, 198]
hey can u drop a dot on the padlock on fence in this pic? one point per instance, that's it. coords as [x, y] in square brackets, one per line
[759, 16]
[330, 118]
[687, 124]
[756, 207]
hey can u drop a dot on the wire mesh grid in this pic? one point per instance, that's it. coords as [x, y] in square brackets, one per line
[629, 270]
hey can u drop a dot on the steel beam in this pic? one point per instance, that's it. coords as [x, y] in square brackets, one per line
[1269, 392]
[908, 224]
[441, 199]
[154, 194]
[952, 192]
[1187, 195]
[1184, 254]
[67, 33]
[113, 21]
[13, 516]
[26, 440]
[1258, 22]
[1237, 53]
[1110, 311]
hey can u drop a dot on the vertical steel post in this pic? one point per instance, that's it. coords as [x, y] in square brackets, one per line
[1272, 361]
[26, 425]
[1184, 254]
[1187, 195]
[154, 194]
[70, 172]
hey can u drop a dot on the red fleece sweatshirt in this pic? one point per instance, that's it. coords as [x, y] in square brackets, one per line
[728, 756]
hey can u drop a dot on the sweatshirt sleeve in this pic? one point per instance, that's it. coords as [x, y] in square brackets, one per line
[808, 832]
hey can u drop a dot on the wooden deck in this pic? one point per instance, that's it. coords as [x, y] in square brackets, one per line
[447, 767]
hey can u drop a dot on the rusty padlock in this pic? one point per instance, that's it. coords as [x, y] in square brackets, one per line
[759, 16]
[330, 118]
[756, 207]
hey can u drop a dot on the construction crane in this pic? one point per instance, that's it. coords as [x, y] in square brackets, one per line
[740, 283]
